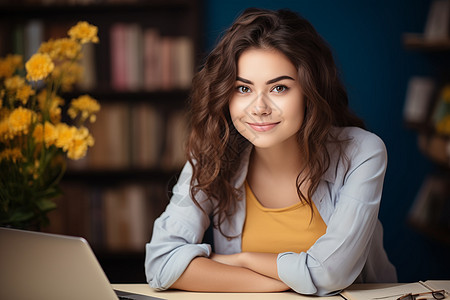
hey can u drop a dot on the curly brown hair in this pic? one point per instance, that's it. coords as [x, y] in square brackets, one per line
[214, 145]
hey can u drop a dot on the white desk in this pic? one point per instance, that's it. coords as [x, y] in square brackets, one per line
[145, 289]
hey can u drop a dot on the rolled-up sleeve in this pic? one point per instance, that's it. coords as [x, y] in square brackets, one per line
[177, 236]
[338, 257]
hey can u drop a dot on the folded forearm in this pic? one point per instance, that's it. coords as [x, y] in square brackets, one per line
[206, 275]
[262, 263]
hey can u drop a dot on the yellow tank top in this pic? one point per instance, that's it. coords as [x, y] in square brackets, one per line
[281, 229]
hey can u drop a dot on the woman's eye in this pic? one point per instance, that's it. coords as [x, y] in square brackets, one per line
[279, 89]
[243, 89]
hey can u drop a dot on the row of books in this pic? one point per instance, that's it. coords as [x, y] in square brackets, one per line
[142, 59]
[115, 219]
[137, 135]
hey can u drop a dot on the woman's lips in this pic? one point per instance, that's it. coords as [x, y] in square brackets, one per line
[260, 127]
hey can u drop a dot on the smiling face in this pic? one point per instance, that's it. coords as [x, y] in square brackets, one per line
[267, 106]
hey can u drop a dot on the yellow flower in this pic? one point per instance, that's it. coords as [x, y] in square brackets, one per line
[63, 48]
[24, 93]
[13, 154]
[68, 73]
[14, 83]
[52, 105]
[18, 88]
[4, 129]
[9, 65]
[84, 32]
[45, 133]
[85, 105]
[19, 121]
[66, 134]
[39, 66]
[80, 143]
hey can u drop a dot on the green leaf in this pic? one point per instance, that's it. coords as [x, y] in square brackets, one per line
[45, 205]
[20, 216]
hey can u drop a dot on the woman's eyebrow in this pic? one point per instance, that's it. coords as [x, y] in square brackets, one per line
[279, 78]
[267, 82]
[244, 80]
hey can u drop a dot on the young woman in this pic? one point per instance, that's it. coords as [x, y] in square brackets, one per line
[279, 167]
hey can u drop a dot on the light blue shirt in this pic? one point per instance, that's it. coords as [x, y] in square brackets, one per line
[347, 198]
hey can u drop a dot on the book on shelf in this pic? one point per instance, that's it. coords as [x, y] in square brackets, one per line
[134, 52]
[183, 55]
[152, 60]
[88, 79]
[431, 206]
[33, 37]
[374, 292]
[174, 155]
[419, 95]
[147, 127]
[27, 38]
[167, 68]
[142, 59]
[111, 132]
[437, 24]
[18, 40]
[114, 218]
[118, 56]
[72, 214]
[126, 220]
[136, 135]
[56, 30]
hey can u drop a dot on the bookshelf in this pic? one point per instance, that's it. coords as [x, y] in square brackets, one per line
[426, 105]
[140, 72]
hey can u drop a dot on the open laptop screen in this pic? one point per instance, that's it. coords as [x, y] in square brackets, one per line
[35, 265]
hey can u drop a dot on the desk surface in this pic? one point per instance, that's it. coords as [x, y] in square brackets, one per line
[391, 289]
[145, 289]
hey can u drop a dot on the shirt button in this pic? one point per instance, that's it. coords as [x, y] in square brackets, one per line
[228, 239]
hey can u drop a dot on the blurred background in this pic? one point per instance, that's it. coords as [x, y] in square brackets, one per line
[377, 62]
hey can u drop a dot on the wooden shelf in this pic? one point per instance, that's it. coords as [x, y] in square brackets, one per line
[436, 147]
[414, 41]
[41, 10]
[435, 232]
[97, 176]
[172, 97]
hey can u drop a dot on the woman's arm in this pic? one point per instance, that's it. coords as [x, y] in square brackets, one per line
[262, 263]
[207, 275]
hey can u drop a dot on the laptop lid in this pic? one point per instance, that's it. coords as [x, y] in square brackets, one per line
[35, 265]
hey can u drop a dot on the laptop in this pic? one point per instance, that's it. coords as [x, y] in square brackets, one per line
[36, 265]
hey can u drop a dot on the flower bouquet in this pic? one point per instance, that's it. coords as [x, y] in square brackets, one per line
[34, 138]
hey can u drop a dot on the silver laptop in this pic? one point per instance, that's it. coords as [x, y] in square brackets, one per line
[35, 265]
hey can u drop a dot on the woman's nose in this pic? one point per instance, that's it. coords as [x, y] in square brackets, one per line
[261, 105]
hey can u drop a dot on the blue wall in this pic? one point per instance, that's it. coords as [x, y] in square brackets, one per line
[366, 37]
